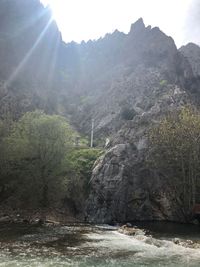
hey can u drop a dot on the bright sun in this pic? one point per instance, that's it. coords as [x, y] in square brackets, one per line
[90, 19]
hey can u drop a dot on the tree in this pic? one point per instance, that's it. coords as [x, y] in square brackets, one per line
[80, 162]
[5, 127]
[174, 147]
[37, 148]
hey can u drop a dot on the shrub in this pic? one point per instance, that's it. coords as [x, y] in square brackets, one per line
[174, 147]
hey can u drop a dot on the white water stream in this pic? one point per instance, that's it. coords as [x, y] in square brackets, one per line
[86, 246]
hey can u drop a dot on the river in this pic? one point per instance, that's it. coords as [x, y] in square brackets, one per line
[86, 246]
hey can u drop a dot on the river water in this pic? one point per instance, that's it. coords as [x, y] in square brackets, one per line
[86, 245]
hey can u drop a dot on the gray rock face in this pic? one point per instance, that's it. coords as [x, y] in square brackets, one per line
[124, 190]
[192, 53]
[152, 79]
[123, 71]
[31, 58]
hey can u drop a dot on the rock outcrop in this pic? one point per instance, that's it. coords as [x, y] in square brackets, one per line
[192, 53]
[153, 80]
[121, 71]
[30, 58]
[124, 188]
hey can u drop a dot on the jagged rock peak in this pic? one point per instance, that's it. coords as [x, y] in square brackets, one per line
[117, 33]
[192, 52]
[138, 26]
[191, 46]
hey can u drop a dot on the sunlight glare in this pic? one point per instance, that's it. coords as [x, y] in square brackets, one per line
[91, 19]
[27, 56]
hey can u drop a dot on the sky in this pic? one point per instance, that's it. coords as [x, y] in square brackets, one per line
[91, 19]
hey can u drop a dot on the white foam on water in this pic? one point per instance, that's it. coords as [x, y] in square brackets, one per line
[145, 248]
[99, 246]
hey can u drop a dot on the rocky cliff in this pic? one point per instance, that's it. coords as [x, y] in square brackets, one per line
[157, 79]
[192, 53]
[121, 71]
[30, 56]
[124, 187]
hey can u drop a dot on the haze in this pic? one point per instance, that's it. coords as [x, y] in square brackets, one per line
[91, 19]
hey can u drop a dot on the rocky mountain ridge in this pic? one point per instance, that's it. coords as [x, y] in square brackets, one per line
[162, 80]
[30, 56]
[125, 71]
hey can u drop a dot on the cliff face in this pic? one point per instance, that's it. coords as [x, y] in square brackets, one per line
[153, 80]
[124, 190]
[124, 187]
[122, 71]
[30, 56]
[192, 53]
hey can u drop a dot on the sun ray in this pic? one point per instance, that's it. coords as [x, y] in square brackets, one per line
[28, 55]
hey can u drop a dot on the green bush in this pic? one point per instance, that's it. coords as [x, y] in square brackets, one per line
[40, 165]
[163, 83]
[80, 162]
[36, 150]
[174, 150]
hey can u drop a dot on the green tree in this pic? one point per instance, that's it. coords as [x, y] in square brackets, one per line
[5, 127]
[36, 148]
[80, 163]
[174, 147]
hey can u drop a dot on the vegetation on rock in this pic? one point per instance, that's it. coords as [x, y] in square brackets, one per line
[40, 165]
[174, 147]
[80, 164]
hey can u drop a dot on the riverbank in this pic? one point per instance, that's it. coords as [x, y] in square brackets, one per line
[40, 216]
[56, 216]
